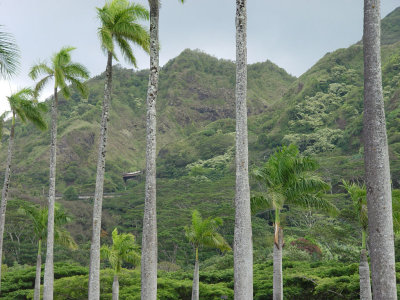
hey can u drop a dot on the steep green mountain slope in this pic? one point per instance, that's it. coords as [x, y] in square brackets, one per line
[195, 90]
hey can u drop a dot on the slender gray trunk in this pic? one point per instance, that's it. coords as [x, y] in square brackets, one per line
[115, 288]
[195, 286]
[149, 238]
[36, 295]
[277, 277]
[94, 271]
[243, 247]
[376, 161]
[48, 280]
[6, 187]
[365, 284]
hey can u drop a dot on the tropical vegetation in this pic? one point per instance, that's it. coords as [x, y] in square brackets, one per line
[304, 134]
[123, 250]
[288, 178]
[38, 218]
[9, 54]
[63, 72]
[119, 25]
[203, 233]
[26, 108]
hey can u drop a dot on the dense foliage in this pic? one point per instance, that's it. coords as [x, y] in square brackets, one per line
[320, 112]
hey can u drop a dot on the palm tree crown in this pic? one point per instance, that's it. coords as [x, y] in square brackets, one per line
[63, 71]
[38, 216]
[24, 106]
[358, 195]
[288, 177]
[123, 249]
[204, 232]
[9, 55]
[119, 24]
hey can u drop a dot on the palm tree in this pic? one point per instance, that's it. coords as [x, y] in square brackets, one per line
[204, 233]
[62, 71]
[149, 236]
[288, 177]
[38, 216]
[9, 55]
[119, 24]
[376, 161]
[243, 242]
[123, 249]
[359, 196]
[24, 107]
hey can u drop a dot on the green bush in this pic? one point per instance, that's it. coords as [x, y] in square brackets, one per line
[70, 194]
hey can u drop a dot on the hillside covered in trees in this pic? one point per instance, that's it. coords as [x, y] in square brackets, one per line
[320, 112]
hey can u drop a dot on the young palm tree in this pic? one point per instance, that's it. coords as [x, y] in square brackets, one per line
[9, 55]
[376, 161]
[204, 233]
[119, 24]
[359, 196]
[38, 216]
[243, 242]
[288, 178]
[24, 107]
[123, 249]
[149, 236]
[62, 71]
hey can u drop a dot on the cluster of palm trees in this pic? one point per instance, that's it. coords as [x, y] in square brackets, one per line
[120, 27]
[376, 163]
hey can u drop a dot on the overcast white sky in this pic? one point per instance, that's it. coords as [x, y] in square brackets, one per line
[294, 34]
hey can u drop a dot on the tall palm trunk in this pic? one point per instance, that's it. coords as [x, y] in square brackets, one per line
[6, 187]
[195, 286]
[115, 288]
[94, 272]
[36, 295]
[376, 161]
[277, 263]
[243, 248]
[365, 284]
[48, 280]
[149, 238]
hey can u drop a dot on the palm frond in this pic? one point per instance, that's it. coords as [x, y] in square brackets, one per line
[30, 111]
[315, 201]
[126, 51]
[66, 92]
[40, 69]
[204, 232]
[62, 57]
[25, 106]
[139, 36]
[260, 203]
[40, 85]
[140, 12]
[9, 55]
[76, 70]
[106, 39]
[81, 87]
[64, 238]
[358, 194]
